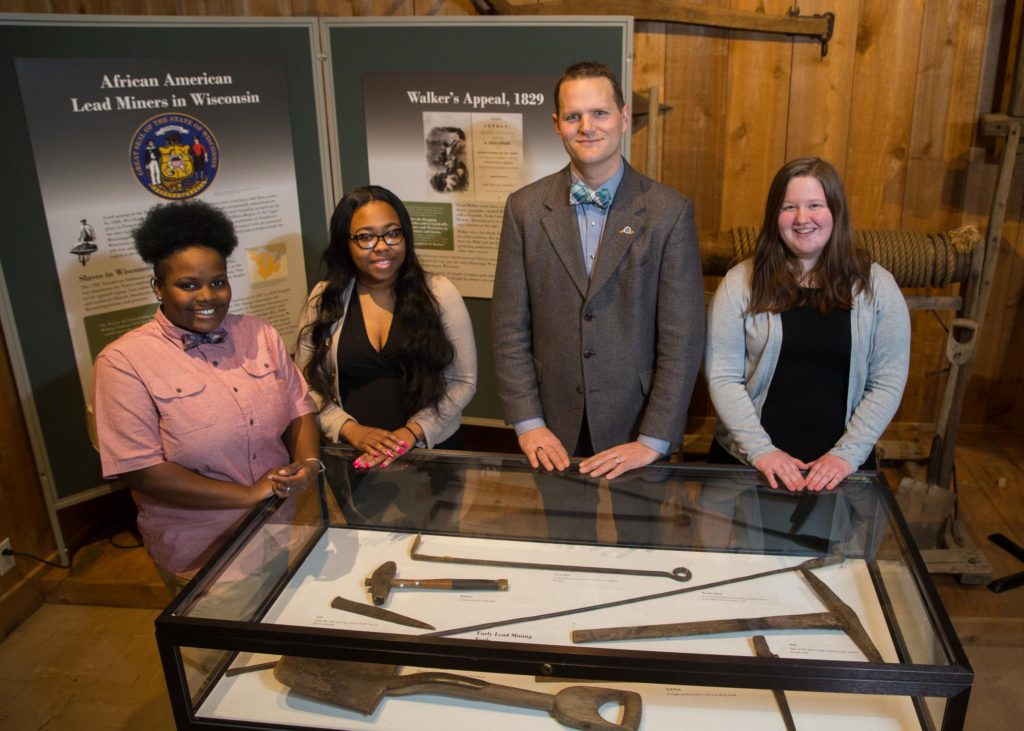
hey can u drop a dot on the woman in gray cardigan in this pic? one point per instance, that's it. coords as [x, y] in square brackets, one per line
[816, 400]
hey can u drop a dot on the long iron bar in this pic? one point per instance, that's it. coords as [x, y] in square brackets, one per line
[813, 563]
[680, 573]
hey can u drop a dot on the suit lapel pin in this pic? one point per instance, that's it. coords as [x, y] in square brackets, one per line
[628, 231]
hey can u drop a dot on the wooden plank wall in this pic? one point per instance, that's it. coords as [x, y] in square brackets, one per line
[894, 105]
[23, 516]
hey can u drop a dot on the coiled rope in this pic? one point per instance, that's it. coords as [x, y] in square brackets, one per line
[915, 259]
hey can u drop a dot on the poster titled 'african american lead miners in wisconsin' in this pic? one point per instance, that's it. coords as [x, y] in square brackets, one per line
[112, 137]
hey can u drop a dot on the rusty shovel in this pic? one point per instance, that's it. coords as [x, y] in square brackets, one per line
[361, 686]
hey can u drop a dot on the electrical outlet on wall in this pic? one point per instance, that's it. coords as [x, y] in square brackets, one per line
[6, 562]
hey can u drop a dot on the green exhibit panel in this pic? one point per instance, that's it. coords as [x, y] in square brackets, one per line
[43, 53]
[400, 84]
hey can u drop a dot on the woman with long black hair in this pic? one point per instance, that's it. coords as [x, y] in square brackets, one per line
[387, 348]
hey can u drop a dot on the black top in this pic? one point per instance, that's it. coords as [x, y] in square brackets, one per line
[370, 382]
[805, 410]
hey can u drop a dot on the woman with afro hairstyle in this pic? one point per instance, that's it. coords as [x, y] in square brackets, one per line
[808, 341]
[201, 413]
[387, 349]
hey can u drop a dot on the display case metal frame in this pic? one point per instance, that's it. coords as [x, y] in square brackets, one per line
[176, 628]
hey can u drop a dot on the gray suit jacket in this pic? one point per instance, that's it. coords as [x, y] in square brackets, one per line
[626, 342]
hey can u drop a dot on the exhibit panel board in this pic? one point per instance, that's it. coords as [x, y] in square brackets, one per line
[452, 115]
[108, 116]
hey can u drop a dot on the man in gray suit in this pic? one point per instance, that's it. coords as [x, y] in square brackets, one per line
[598, 311]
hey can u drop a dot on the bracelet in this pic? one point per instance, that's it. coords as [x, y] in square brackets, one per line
[415, 439]
[323, 467]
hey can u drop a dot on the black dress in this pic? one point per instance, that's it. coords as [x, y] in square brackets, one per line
[370, 381]
[805, 410]
[371, 388]
[804, 414]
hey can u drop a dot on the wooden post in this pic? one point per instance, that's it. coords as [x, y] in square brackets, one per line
[940, 464]
[653, 128]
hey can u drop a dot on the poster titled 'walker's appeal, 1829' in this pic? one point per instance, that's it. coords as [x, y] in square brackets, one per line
[452, 147]
[112, 137]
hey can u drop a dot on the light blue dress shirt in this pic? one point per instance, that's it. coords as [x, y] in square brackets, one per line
[591, 220]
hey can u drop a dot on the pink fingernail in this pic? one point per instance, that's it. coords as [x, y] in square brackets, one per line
[389, 453]
[401, 450]
[357, 464]
[404, 444]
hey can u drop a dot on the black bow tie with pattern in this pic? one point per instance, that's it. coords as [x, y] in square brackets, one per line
[192, 340]
[580, 193]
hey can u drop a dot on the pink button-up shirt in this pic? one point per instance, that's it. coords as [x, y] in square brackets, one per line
[218, 409]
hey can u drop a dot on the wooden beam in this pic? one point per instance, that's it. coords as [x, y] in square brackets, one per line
[818, 27]
[938, 302]
[653, 125]
[969, 564]
[998, 125]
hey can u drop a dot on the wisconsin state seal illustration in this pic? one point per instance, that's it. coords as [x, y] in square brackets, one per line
[174, 156]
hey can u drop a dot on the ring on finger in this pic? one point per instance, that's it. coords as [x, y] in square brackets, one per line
[617, 460]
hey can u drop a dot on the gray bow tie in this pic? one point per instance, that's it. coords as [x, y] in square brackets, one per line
[192, 340]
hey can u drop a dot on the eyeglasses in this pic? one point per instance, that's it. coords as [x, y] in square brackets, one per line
[368, 241]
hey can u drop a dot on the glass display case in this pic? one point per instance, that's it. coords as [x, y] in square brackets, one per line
[465, 590]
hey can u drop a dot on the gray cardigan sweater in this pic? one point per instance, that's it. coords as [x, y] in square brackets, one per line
[742, 351]
[437, 424]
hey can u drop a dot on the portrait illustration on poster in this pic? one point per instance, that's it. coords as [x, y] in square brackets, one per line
[446, 158]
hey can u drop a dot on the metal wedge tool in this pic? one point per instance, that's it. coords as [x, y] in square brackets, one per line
[361, 686]
[383, 580]
[375, 612]
[809, 564]
[762, 650]
[680, 573]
